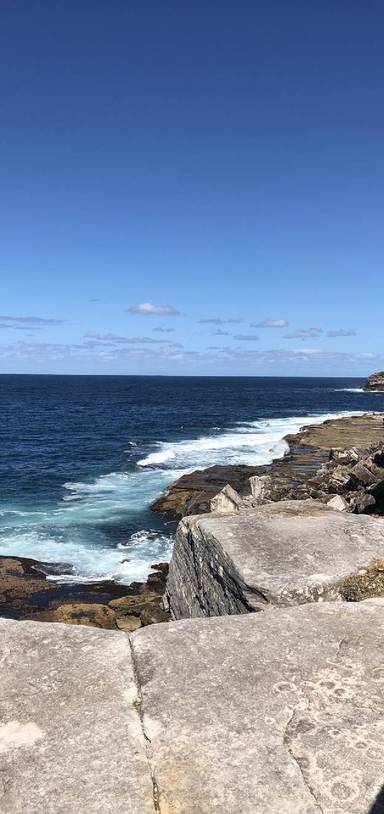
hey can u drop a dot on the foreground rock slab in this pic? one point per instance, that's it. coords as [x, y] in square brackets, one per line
[284, 553]
[70, 736]
[278, 713]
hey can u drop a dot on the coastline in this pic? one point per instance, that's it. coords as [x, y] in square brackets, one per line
[307, 450]
[26, 593]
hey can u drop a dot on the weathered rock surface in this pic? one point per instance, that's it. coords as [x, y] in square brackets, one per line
[283, 554]
[270, 713]
[308, 451]
[26, 593]
[70, 735]
[375, 381]
[227, 501]
[193, 492]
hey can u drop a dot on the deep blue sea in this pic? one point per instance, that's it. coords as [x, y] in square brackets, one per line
[82, 457]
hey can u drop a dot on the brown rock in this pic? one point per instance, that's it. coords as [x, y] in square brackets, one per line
[81, 614]
[151, 615]
[26, 593]
[125, 603]
[192, 493]
[128, 623]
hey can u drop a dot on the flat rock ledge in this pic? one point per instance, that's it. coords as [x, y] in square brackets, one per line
[307, 451]
[269, 713]
[285, 553]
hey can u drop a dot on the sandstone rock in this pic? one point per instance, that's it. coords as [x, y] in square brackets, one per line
[287, 478]
[340, 480]
[226, 501]
[83, 614]
[151, 615]
[193, 492]
[345, 456]
[363, 474]
[375, 381]
[128, 623]
[70, 735]
[125, 603]
[362, 503]
[26, 593]
[261, 486]
[284, 554]
[338, 503]
[269, 713]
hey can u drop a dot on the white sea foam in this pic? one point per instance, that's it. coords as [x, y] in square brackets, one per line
[92, 563]
[250, 442]
[76, 530]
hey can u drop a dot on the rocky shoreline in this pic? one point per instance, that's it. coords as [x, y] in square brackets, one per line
[27, 594]
[264, 693]
[316, 465]
[307, 452]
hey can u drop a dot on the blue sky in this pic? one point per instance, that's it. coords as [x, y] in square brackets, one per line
[220, 162]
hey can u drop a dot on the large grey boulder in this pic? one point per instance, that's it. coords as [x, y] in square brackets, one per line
[280, 554]
[71, 740]
[269, 713]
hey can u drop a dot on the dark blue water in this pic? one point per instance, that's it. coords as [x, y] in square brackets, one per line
[82, 457]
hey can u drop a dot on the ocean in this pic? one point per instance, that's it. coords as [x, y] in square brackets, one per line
[83, 457]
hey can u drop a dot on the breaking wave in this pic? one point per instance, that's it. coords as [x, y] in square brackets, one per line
[102, 529]
[248, 442]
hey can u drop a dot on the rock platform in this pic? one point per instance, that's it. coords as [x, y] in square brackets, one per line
[307, 450]
[269, 713]
[26, 593]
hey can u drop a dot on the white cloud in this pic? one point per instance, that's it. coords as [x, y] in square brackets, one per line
[218, 321]
[308, 333]
[163, 330]
[94, 354]
[33, 320]
[342, 332]
[149, 309]
[270, 323]
[129, 340]
[246, 337]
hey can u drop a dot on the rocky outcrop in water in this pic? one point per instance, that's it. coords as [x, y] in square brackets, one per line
[375, 381]
[287, 477]
[26, 593]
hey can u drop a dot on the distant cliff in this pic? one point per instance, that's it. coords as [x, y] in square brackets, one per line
[375, 381]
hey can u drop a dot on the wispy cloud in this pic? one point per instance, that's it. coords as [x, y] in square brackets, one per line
[270, 323]
[163, 330]
[149, 309]
[220, 332]
[342, 332]
[218, 321]
[28, 320]
[307, 333]
[129, 340]
[94, 354]
[246, 337]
